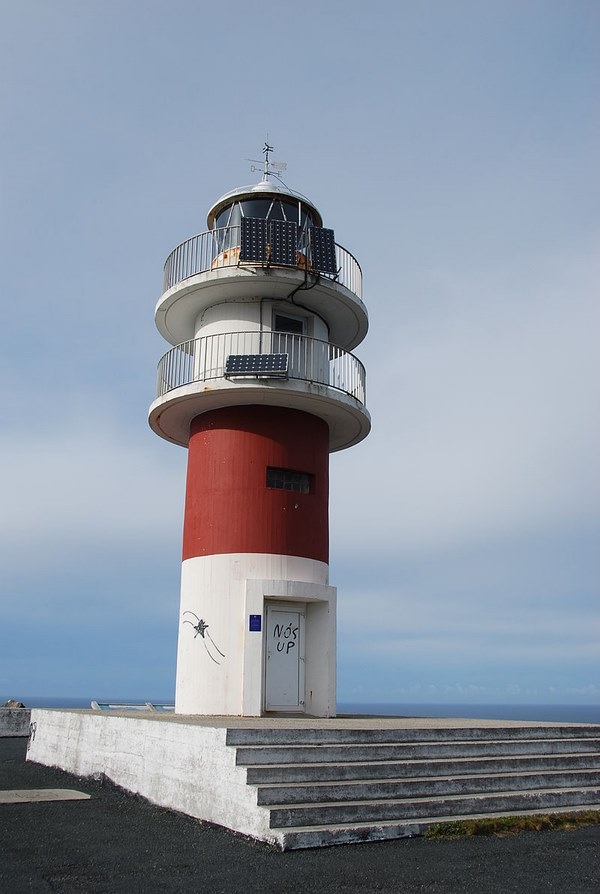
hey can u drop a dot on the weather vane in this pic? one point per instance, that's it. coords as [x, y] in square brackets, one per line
[267, 166]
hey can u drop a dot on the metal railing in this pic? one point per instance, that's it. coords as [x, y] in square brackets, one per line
[309, 360]
[221, 248]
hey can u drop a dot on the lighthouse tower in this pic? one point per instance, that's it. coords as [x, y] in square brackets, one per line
[262, 310]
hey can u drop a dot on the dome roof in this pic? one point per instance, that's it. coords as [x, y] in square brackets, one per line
[253, 191]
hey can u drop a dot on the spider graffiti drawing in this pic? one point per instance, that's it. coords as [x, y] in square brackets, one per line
[201, 627]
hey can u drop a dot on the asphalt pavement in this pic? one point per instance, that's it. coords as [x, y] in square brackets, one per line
[117, 842]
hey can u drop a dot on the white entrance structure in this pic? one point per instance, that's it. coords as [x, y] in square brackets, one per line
[262, 311]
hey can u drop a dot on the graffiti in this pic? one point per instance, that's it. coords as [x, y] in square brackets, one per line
[201, 627]
[286, 637]
[31, 737]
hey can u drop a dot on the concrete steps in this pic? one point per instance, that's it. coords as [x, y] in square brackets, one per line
[322, 772]
[328, 786]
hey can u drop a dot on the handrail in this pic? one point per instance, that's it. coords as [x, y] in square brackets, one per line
[309, 360]
[221, 248]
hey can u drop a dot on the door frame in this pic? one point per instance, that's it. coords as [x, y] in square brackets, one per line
[319, 601]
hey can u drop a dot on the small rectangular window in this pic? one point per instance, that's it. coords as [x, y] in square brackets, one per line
[288, 479]
[286, 323]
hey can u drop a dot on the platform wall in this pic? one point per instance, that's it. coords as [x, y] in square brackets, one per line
[173, 763]
[14, 722]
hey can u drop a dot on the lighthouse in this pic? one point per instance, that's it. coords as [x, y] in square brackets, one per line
[262, 311]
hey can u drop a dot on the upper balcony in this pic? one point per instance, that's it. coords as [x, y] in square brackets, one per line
[211, 267]
[319, 378]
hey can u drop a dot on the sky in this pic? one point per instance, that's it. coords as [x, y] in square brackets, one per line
[453, 147]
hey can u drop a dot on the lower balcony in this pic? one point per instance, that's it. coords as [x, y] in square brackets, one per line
[276, 368]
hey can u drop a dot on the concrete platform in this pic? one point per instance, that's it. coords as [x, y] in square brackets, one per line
[299, 782]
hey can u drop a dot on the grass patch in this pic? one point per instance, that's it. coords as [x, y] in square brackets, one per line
[513, 825]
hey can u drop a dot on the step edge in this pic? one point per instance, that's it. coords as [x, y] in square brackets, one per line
[456, 797]
[408, 827]
[419, 779]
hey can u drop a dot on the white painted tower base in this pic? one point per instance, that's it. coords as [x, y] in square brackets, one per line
[269, 643]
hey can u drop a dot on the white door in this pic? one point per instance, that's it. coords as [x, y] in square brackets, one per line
[284, 676]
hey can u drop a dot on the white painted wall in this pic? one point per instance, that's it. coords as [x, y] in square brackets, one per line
[229, 316]
[245, 315]
[223, 591]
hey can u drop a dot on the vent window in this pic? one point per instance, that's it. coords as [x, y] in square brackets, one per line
[288, 479]
[285, 323]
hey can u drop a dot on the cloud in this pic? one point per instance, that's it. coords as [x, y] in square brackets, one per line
[86, 481]
[444, 621]
[521, 612]
[483, 414]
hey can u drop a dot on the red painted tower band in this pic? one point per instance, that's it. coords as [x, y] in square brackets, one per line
[232, 506]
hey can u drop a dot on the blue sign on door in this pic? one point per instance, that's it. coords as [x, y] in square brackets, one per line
[255, 623]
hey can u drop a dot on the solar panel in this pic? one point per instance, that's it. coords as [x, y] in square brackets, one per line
[253, 240]
[269, 241]
[257, 365]
[283, 240]
[322, 249]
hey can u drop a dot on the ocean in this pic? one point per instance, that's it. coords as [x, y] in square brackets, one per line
[551, 713]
